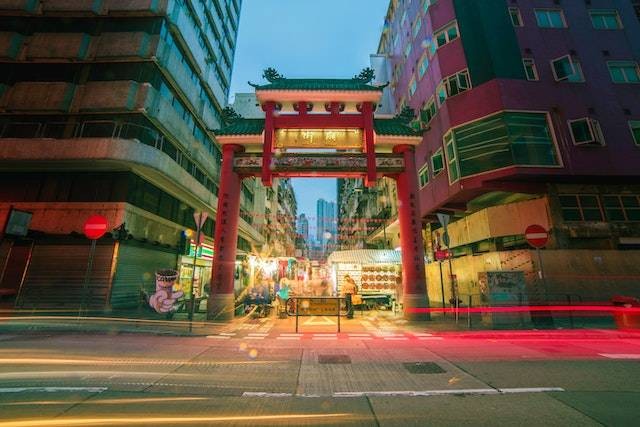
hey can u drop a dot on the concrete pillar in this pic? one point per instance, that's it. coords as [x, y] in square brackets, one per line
[414, 283]
[221, 303]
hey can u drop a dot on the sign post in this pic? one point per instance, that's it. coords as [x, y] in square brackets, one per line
[444, 220]
[538, 237]
[94, 228]
[317, 306]
[199, 218]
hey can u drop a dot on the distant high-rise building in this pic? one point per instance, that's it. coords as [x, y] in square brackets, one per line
[303, 227]
[106, 108]
[326, 220]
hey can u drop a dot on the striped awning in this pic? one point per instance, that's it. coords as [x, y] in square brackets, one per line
[365, 256]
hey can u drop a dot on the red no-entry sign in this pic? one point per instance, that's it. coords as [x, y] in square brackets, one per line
[95, 227]
[536, 236]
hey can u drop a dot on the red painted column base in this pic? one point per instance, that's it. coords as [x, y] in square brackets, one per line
[221, 302]
[414, 281]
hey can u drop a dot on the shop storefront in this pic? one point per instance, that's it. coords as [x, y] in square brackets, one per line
[377, 273]
[200, 272]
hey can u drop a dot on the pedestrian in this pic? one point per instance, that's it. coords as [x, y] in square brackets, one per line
[349, 289]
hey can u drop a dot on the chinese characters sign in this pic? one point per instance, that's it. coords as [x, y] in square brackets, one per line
[319, 138]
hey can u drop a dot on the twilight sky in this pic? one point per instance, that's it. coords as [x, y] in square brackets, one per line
[306, 38]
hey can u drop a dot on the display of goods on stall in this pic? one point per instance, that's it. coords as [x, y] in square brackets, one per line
[380, 278]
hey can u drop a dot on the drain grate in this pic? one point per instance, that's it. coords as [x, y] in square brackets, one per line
[333, 359]
[424, 368]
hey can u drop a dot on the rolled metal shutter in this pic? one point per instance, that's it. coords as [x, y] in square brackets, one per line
[135, 270]
[56, 272]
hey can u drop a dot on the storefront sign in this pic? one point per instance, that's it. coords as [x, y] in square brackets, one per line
[319, 138]
[204, 251]
[318, 306]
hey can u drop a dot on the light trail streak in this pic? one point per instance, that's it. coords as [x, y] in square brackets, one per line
[531, 308]
[120, 362]
[88, 421]
[133, 401]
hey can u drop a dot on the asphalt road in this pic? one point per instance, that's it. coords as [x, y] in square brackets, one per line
[262, 373]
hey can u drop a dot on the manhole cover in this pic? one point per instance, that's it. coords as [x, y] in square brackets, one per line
[424, 368]
[333, 359]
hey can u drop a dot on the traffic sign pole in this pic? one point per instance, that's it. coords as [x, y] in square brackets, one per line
[199, 218]
[87, 276]
[538, 237]
[94, 228]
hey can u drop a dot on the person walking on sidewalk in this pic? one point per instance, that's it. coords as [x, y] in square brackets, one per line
[348, 290]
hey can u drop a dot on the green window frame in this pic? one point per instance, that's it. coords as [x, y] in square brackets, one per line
[428, 112]
[550, 18]
[605, 19]
[426, 4]
[413, 86]
[516, 17]
[437, 162]
[505, 139]
[634, 126]
[423, 66]
[567, 68]
[530, 69]
[621, 207]
[452, 157]
[446, 35]
[407, 50]
[586, 131]
[417, 25]
[624, 71]
[423, 176]
[581, 207]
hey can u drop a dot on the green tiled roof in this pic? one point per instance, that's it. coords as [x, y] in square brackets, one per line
[242, 127]
[386, 127]
[319, 85]
[393, 127]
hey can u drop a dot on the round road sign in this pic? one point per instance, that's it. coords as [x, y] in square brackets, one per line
[536, 236]
[95, 227]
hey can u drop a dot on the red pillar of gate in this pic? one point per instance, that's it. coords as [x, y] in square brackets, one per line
[413, 272]
[269, 138]
[220, 305]
[369, 144]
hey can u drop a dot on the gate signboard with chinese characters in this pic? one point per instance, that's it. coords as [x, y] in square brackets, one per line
[319, 138]
[334, 121]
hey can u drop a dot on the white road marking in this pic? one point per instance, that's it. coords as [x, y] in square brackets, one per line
[422, 334]
[219, 337]
[530, 390]
[411, 393]
[623, 356]
[265, 394]
[291, 335]
[230, 334]
[324, 338]
[53, 389]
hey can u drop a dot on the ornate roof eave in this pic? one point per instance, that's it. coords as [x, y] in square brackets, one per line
[257, 139]
[292, 95]
[398, 140]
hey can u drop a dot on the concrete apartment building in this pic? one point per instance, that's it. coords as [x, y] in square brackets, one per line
[530, 115]
[106, 108]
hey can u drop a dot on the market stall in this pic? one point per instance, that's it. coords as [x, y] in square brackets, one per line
[377, 273]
